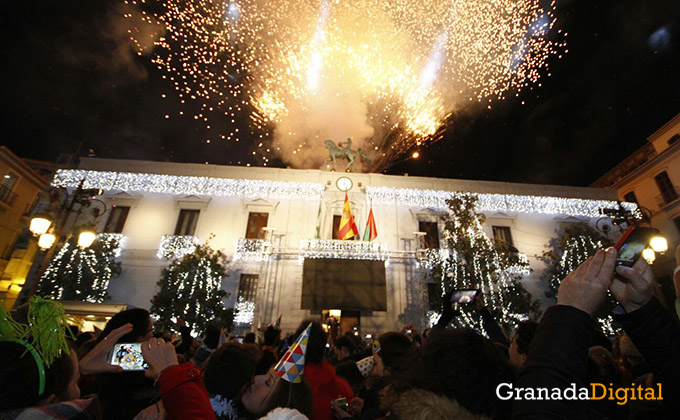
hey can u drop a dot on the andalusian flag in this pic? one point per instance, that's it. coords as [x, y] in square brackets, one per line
[370, 232]
[348, 229]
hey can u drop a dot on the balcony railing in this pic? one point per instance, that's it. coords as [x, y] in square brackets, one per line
[176, 246]
[671, 196]
[252, 250]
[334, 248]
[7, 196]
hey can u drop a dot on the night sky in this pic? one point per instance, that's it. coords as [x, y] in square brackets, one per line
[70, 81]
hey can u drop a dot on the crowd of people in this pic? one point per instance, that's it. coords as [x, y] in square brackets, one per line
[443, 373]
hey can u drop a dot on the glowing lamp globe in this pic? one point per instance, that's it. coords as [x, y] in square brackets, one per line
[39, 225]
[649, 255]
[86, 238]
[659, 244]
[45, 241]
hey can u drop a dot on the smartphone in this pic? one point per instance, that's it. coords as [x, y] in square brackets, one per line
[239, 340]
[464, 296]
[128, 356]
[342, 403]
[632, 243]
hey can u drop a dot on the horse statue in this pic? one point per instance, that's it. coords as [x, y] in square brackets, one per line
[335, 152]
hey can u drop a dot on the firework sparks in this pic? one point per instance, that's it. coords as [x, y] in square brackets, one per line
[388, 74]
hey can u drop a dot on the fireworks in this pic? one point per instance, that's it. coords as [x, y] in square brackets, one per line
[388, 74]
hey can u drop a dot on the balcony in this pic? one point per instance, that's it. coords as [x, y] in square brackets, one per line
[671, 196]
[176, 246]
[347, 250]
[7, 197]
[249, 250]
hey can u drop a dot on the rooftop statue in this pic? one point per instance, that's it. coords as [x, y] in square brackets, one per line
[344, 152]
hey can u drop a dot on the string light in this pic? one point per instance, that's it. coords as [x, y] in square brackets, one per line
[491, 203]
[352, 250]
[176, 246]
[244, 311]
[187, 185]
[252, 250]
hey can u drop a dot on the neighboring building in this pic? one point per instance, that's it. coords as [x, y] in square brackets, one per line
[20, 191]
[650, 177]
[276, 227]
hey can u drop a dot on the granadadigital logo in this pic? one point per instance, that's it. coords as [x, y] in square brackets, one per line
[597, 391]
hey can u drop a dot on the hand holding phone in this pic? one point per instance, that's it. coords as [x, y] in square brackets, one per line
[464, 296]
[632, 243]
[128, 356]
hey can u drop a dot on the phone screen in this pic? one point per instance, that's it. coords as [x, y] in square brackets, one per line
[632, 248]
[128, 356]
[464, 296]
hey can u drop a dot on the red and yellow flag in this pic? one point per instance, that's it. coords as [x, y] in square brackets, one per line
[348, 229]
[371, 232]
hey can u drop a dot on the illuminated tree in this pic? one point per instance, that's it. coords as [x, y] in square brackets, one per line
[572, 246]
[190, 288]
[82, 274]
[476, 262]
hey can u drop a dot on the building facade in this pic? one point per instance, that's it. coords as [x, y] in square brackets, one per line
[20, 190]
[650, 177]
[276, 227]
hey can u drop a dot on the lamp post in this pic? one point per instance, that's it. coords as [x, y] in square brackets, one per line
[51, 231]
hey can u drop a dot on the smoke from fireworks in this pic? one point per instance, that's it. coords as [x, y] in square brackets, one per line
[386, 74]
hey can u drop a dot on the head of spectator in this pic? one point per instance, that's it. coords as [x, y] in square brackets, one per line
[212, 336]
[519, 346]
[462, 366]
[316, 344]
[227, 372]
[20, 368]
[602, 367]
[344, 347]
[142, 325]
[269, 391]
[272, 336]
[249, 338]
[392, 354]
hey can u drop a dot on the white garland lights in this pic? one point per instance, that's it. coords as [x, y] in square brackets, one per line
[187, 185]
[341, 249]
[505, 203]
[252, 250]
[117, 240]
[244, 311]
[176, 246]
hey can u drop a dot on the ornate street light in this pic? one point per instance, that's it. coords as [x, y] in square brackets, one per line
[86, 237]
[46, 240]
[39, 225]
[659, 244]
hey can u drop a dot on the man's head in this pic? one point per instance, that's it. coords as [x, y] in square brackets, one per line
[519, 346]
[344, 347]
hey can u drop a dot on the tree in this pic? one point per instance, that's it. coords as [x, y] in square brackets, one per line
[82, 274]
[476, 262]
[573, 245]
[190, 288]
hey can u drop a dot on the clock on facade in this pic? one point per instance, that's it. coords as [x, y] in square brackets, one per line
[343, 183]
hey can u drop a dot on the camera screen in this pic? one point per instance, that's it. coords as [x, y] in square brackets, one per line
[463, 296]
[128, 356]
[632, 248]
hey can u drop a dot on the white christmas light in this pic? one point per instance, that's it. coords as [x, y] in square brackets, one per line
[176, 246]
[244, 311]
[187, 185]
[116, 240]
[348, 250]
[252, 250]
[489, 203]
[521, 268]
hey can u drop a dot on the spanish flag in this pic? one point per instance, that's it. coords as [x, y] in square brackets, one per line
[370, 232]
[348, 229]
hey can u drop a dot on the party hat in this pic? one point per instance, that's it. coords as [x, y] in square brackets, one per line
[292, 364]
[365, 365]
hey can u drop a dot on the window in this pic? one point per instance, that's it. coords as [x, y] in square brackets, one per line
[186, 222]
[336, 226]
[502, 234]
[247, 287]
[256, 222]
[630, 197]
[116, 219]
[666, 187]
[6, 187]
[431, 234]
[677, 223]
[673, 139]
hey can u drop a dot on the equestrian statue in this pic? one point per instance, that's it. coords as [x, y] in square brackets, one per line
[345, 152]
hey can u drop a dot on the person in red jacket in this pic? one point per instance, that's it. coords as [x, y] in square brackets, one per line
[180, 386]
[320, 375]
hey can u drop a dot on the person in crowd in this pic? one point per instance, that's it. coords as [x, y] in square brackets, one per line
[344, 348]
[227, 373]
[272, 338]
[249, 338]
[210, 342]
[519, 346]
[125, 394]
[268, 392]
[180, 387]
[558, 354]
[320, 374]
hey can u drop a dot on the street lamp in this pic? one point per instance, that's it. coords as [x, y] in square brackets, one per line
[659, 244]
[86, 238]
[39, 225]
[46, 240]
[649, 255]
